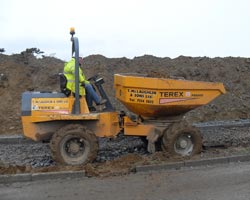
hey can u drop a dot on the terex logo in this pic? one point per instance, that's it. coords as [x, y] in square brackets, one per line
[171, 94]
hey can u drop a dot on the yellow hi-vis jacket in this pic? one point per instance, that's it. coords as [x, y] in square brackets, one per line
[69, 72]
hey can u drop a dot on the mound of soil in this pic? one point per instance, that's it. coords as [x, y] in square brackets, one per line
[19, 73]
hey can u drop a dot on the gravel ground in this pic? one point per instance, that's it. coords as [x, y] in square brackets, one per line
[225, 133]
[218, 139]
[38, 154]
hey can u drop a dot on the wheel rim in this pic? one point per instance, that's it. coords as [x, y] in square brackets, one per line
[184, 145]
[74, 149]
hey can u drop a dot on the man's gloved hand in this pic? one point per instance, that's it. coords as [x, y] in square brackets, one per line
[82, 84]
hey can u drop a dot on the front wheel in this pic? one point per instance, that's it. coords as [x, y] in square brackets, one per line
[182, 139]
[74, 145]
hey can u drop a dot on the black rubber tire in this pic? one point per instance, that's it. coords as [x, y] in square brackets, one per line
[86, 140]
[182, 130]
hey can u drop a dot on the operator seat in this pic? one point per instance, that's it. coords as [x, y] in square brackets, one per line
[63, 83]
[66, 91]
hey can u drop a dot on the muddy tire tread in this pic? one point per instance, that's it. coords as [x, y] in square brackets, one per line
[175, 130]
[80, 130]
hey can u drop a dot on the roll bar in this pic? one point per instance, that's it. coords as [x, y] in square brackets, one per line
[75, 51]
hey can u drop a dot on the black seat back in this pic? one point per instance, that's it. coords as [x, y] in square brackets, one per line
[63, 83]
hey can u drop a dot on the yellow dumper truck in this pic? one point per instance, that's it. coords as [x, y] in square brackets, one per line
[159, 105]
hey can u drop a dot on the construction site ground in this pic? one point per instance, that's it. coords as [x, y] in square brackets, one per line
[123, 154]
[24, 72]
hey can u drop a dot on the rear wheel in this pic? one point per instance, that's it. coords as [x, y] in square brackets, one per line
[74, 144]
[182, 139]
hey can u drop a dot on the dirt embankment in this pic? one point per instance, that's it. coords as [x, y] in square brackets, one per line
[20, 73]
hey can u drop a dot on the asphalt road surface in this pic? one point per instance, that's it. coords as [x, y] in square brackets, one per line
[222, 182]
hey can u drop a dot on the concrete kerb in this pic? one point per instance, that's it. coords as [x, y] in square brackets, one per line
[169, 166]
[194, 163]
[206, 162]
[5, 179]
[240, 158]
[58, 175]
[14, 139]
[10, 178]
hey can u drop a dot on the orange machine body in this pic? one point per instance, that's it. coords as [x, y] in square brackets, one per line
[48, 112]
[158, 97]
[153, 99]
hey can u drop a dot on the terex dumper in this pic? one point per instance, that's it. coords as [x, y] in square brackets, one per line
[159, 105]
